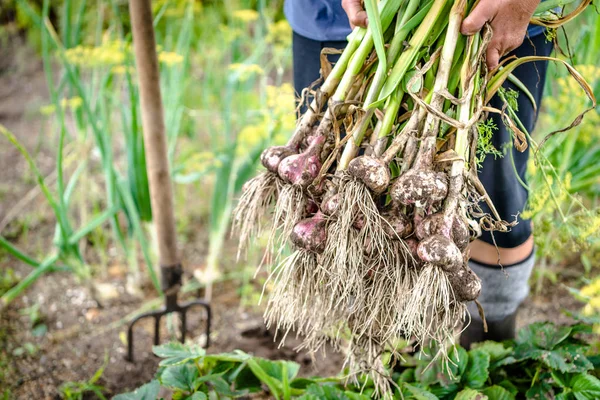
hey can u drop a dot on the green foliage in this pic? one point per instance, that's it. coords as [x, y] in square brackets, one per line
[544, 361]
[7, 280]
[564, 175]
[221, 70]
[77, 390]
[486, 130]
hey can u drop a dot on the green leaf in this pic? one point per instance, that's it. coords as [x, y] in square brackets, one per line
[180, 376]
[327, 392]
[582, 328]
[548, 5]
[223, 388]
[477, 371]
[408, 375]
[406, 59]
[508, 385]
[357, 396]
[595, 360]
[497, 351]
[560, 379]
[147, 392]
[237, 356]
[429, 374]
[244, 378]
[416, 86]
[445, 391]
[420, 394]
[549, 335]
[177, 353]
[197, 396]
[460, 358]
[568, 358]
[469, 394]
[585, 387]
[541, 390]
[273, 384]
[564, 396]
[301, 383]
[498, 393]
[377, 32]
[543, 335]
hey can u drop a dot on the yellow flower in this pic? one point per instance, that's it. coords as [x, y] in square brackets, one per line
[280, 34]
[246, 71]
[47, 110]
[122, 69]
[251, 136]
[593, 289]
[170, 58]
[246, 16]
[230, 34]
[73, 103]
[109, 53]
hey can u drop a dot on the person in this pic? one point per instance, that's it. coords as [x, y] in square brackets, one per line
[318, 24]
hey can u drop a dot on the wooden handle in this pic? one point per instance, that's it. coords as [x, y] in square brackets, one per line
[157, 164]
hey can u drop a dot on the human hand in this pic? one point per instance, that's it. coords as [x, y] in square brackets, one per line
[356, 13]
[509, 20]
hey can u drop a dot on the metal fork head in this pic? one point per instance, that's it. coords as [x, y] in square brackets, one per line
[171, 282]
[168, 309]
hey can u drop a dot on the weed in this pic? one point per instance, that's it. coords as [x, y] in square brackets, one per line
[77, 390]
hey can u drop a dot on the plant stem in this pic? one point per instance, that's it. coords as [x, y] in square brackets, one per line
[325, 91]
[428, 148]
[24, 283]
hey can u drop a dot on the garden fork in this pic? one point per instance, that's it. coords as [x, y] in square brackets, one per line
[159, 178]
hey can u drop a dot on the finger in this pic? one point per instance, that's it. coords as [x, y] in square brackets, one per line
[493, 55]
[514, 43]
[483, 13]
[356, 14]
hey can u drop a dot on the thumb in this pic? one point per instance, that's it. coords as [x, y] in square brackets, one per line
[482, 13]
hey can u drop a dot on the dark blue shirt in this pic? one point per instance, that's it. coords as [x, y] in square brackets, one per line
[326, 20]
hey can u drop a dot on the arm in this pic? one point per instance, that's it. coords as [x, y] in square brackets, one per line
[509, 20]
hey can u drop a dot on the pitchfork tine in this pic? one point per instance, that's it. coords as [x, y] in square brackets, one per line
[171, 282]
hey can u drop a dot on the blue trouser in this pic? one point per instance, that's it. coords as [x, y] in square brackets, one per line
[498, 174]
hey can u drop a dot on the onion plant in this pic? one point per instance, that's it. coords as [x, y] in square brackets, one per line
[104, 91]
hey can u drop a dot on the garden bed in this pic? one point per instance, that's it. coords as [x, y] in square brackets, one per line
[79, 330]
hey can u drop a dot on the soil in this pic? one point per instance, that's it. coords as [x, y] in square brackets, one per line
[86, 322]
